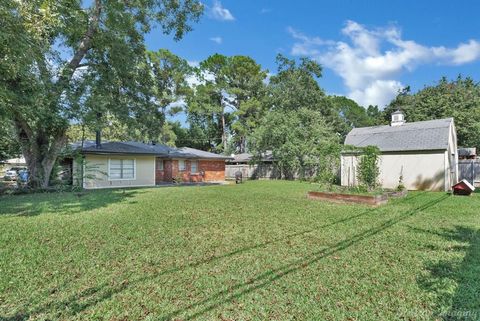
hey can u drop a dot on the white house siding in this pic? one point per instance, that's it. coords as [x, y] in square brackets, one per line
[96, 172]
[451, 159]
[420, 170]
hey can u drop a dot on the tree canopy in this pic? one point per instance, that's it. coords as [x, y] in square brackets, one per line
[298, 126]
[230, 97]
[71, 67]
[459, 99]
[63, 61]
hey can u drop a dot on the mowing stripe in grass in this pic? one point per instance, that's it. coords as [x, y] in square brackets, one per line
[270, 276]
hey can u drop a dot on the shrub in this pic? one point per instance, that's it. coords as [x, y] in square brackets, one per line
[368, 170]
[401, 186]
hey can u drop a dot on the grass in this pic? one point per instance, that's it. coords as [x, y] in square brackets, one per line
[255, 251]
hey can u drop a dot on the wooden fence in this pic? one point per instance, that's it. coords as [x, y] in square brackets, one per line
[469, 170]
[261, 171]
[265, 171]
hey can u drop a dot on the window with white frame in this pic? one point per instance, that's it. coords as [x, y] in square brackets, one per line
[181, 165]
[159, 164]
[194, 166]
[121, 169]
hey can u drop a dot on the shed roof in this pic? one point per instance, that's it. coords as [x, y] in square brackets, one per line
[159, 150]
[421, 136]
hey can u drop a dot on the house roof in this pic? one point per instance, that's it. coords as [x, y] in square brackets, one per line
[247, 157]
[422, 135]
[138, 148]
[464, 151]
[15, 161]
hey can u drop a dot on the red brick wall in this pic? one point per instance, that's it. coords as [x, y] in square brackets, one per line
[214, 171]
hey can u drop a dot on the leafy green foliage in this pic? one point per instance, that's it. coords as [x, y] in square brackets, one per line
[368, 170]
[300, 140]
[9, 145]
[64, 62]
[195, 135]
[459, 99]
[207, 253]
[353, 115]
[207, 118]
[298, 127]
[230, 98]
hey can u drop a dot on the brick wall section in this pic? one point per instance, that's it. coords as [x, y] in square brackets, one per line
[159, 173]
[168, 169]
[214, 170]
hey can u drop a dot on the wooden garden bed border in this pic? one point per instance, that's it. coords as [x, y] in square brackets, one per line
[373, 200]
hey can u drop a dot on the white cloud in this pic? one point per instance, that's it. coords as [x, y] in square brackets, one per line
[306, 46]
[265, 10]
[377, 91]
[266, 81]
[193, 63]
[195, 80]
[220, 13]
[217, 40]
[369, 71]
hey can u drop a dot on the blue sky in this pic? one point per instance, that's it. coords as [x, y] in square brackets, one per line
[368, 49]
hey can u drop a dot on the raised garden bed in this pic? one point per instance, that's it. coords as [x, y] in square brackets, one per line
[346, 197]
[397, 194]
[373, 200]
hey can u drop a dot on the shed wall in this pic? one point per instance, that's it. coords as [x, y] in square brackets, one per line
[421, 171]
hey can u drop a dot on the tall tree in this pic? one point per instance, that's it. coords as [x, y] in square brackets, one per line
[210, 95]
[301, 143]
[62, 59]
[246, 90]
[375, 115]
[459, 99]
[298, 127]
[166, 85]
[295, 86]
[208, 120]
[232, 87]
[351, 113]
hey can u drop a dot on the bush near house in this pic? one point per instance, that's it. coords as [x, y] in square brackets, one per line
[368, 170]
[254, 251]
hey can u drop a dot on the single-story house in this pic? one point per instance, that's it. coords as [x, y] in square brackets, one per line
[14, 163]
[263, 168]
[467, 153]
[247, 158]
[135, 164]
[423, 153]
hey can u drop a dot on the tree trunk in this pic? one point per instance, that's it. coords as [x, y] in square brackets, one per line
[224, 133]
[41, 158]
[242, 146]
[42, 142]
[40, 152]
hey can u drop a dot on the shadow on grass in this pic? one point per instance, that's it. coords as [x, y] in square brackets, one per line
[92, 296]
[463, 303]
[264, 279]
[62, 202]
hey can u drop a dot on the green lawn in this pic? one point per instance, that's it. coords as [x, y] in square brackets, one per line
[256, 251]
